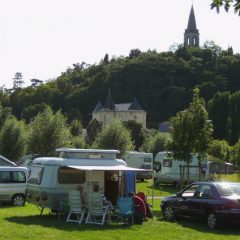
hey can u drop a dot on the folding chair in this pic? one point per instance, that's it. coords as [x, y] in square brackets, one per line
[77, 209]
[97, 212]
[125, 210]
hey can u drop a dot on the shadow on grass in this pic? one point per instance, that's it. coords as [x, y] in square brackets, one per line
[201, 226]
[51, 221]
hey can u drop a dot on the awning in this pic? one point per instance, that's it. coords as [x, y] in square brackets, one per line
[108, 168]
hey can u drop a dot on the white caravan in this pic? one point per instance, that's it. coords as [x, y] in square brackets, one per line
[167, 169]
[141, 160]
[88, 170]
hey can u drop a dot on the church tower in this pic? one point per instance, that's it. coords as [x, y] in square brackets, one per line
[191, 35]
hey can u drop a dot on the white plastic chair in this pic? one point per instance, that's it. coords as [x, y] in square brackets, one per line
[76, 207]
[97, 212]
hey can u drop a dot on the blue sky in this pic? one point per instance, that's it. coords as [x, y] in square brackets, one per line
[42, 38]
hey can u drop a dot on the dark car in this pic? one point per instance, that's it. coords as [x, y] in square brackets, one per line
[214, 201]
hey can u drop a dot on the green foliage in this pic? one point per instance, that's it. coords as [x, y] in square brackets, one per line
[93, 129]
[191, 131]
[48, 131]
[235, 4]
[156, 143]
[136, 131]
[114, 136]
[31, 111]
[78, 142]
[13, 139]
[76, 128]
[219, 149]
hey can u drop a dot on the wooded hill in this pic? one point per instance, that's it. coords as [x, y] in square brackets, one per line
[161, 82]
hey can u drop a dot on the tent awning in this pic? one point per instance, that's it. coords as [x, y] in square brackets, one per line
[108, 168]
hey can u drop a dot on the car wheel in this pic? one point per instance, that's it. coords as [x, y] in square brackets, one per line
[168, 213]
[211, 220]
[18, 200]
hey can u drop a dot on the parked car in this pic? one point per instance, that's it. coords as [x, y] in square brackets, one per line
[13, 185]
[214, 201]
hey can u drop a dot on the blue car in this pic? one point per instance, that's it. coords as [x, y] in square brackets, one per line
[213, 201]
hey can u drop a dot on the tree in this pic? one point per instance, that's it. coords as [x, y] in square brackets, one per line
[17, 81]
[235, 4]
[114, 136]
[36, 82]
[76, 128]
[219, 149]
[13, 139]
[48, 131]
[156, 143]
[191, 131]
[136, 133]
[93, 129]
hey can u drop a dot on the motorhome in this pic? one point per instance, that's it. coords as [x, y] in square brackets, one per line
[88, 170]
[141, 160]
[170, 170]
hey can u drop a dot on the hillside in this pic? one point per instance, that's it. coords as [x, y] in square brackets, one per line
[161, 82]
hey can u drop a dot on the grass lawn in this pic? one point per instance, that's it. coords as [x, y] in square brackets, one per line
[25, 223]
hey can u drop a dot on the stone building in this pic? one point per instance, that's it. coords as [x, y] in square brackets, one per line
[191, 35]
[124, 111]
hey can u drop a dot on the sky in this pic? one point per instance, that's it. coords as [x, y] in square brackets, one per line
[42, 38]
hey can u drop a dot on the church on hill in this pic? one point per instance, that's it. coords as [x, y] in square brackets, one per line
[191, 35]
[124, 111]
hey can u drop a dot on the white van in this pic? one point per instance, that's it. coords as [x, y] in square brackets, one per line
[13, 185]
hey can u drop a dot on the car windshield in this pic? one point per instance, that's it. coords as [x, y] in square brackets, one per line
[228, 189]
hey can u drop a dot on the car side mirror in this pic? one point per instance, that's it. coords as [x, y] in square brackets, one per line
[178, 194]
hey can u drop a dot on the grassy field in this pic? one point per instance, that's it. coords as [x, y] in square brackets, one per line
[25, 223]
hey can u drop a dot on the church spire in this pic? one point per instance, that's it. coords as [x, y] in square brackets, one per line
[191, 35]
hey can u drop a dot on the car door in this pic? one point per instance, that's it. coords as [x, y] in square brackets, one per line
[183, 204]
[203, 197]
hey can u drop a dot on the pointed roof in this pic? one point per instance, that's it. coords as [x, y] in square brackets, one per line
[109, 104]
[135, 105]
[192, 27]
[98, 107]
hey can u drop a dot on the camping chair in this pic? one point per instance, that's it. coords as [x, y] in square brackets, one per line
[76, 207]
[97, 212]
[124, 209]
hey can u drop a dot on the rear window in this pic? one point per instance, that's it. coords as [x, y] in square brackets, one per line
[35, 176]
[228, 189]
[18, 177]
[70, 175]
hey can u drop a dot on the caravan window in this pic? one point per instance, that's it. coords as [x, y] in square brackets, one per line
[71, 175]
[167, 162]
[147, 159]
[35, 175]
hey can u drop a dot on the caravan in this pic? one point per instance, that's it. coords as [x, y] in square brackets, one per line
[87, 170]
[170, 170]
[141, 160]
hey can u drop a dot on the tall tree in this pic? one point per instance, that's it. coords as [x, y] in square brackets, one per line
[13, 139]
[48, 131]
[17, 80]
[191, 131]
